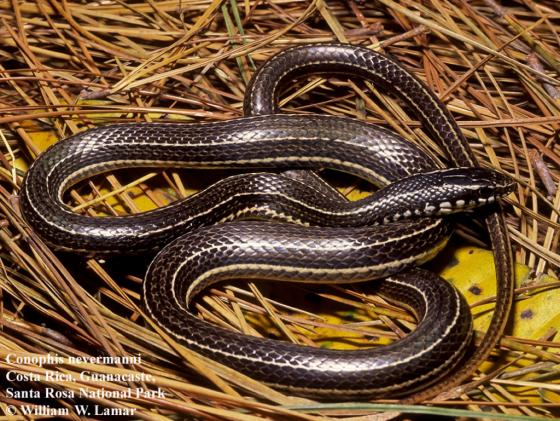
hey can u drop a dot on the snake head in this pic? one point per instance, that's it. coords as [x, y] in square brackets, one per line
[475, 186]
[437, 193]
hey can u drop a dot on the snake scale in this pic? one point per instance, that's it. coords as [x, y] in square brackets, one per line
[311, 234]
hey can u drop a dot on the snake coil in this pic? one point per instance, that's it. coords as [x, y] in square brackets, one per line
[332, 240]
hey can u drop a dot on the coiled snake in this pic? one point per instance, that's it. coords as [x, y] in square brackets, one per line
[332, 240]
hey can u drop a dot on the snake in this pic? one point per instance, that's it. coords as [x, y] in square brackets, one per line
[282, 222]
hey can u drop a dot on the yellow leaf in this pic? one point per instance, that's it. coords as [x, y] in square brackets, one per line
[472, 271]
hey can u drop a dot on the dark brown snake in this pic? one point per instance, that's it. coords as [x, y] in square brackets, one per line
[332, 240]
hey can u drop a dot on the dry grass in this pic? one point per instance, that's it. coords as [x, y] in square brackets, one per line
[65, 67]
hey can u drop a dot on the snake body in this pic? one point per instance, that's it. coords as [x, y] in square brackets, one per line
[333, 240]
